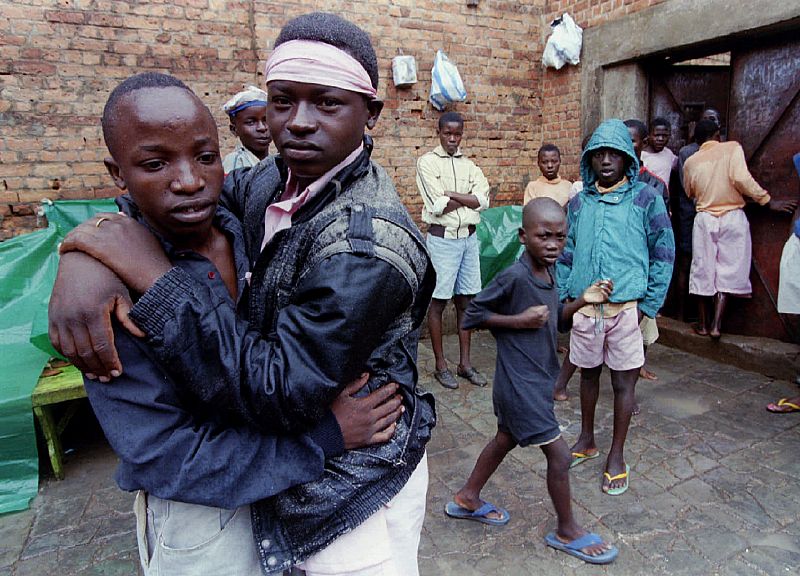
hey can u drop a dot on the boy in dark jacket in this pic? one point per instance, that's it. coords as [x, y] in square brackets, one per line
[196, 469]
[340, 283]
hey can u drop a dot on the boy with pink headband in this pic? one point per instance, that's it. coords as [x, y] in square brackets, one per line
[340, 284]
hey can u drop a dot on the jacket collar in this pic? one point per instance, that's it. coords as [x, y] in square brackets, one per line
[339, 182]
[442, 153]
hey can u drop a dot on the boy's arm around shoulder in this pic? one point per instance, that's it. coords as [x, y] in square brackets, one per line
[173, 453]
[661, 249]
[338, 314]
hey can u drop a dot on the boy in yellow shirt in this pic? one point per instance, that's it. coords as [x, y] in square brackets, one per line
[549, 184]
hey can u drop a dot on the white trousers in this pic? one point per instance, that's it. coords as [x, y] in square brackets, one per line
[386, 544]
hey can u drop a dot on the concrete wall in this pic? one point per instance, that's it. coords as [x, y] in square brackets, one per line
[611, 50]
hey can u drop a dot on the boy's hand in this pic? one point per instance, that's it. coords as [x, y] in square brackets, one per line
[84, 297]
[783, 205]
[598, 292]
[369, 419]
[533, 317]
[122, 244]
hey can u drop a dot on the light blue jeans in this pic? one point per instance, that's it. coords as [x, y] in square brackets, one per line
[457, 264]
[178, 539]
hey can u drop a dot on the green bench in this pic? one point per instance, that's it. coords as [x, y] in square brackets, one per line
[66, 386]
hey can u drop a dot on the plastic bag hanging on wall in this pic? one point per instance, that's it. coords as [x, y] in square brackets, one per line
[404, 70]
[564, 44]
[446, 84]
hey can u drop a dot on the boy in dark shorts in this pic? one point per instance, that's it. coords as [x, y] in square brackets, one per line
[522, 310]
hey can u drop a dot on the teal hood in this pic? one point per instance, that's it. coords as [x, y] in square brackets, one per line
[610, 134]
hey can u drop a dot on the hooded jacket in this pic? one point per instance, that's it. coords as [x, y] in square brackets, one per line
[624, 235]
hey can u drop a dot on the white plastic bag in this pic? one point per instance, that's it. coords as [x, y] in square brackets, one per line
[404, 70]
[564, 44]
[446, 84]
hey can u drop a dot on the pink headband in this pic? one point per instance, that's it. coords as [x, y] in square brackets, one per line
[318, 63]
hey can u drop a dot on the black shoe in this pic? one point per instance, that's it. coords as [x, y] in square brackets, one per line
[475, 377]
[446, 378]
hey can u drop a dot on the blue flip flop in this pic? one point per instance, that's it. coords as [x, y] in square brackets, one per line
[574, 548]
[480, 515]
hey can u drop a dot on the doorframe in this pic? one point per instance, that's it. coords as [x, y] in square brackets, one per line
[613, 80]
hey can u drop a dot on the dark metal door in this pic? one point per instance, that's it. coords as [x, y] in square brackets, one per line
[764, 116]
[681, 93]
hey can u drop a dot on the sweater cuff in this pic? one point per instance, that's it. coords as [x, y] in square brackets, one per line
[439, 205]
[764, 200]
[157, 306]
[328, 436]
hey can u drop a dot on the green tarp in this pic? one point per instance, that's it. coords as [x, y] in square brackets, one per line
[498, 236]
[27, 271]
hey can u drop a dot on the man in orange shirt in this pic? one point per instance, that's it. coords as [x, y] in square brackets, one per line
[717, 178]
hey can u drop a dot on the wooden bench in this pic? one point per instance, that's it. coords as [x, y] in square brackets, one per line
[66, 386]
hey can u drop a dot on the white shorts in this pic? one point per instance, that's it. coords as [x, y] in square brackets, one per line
[789, 283]
[615, 342]
[386, 544]
[721, 254]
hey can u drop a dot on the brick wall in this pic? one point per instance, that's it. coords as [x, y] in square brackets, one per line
[60, 58]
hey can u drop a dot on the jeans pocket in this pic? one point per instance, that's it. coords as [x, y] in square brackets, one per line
[190, 526]
[202, 540]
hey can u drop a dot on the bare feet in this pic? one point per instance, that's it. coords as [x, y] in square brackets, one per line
[715, 333]
[560, 395]
[700, 330]
[473, 504]
[646, 374]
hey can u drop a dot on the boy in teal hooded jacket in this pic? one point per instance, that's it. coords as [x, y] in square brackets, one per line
[619, 231]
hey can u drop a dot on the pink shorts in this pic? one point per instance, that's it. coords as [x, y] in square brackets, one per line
[721, 252]
[615, 342]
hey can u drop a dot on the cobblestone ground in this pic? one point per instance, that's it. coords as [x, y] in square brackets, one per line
[714, 486]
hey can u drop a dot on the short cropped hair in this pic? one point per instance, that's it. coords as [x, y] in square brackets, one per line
[638, 125]
[129, 85]
[450, 117]
[705, 130]
[336, 31]
[660, 121]
[548, 148]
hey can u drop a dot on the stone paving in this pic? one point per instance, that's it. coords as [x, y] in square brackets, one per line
[714, 486]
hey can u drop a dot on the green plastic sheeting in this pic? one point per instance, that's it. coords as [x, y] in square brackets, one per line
[27, 271]
[498, 236]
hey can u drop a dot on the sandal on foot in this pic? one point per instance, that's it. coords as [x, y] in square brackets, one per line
[574, 547]
[480, 515]
[622, 476]
[475, 377]
[446, 378]
[783, 407]
[578, 457]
